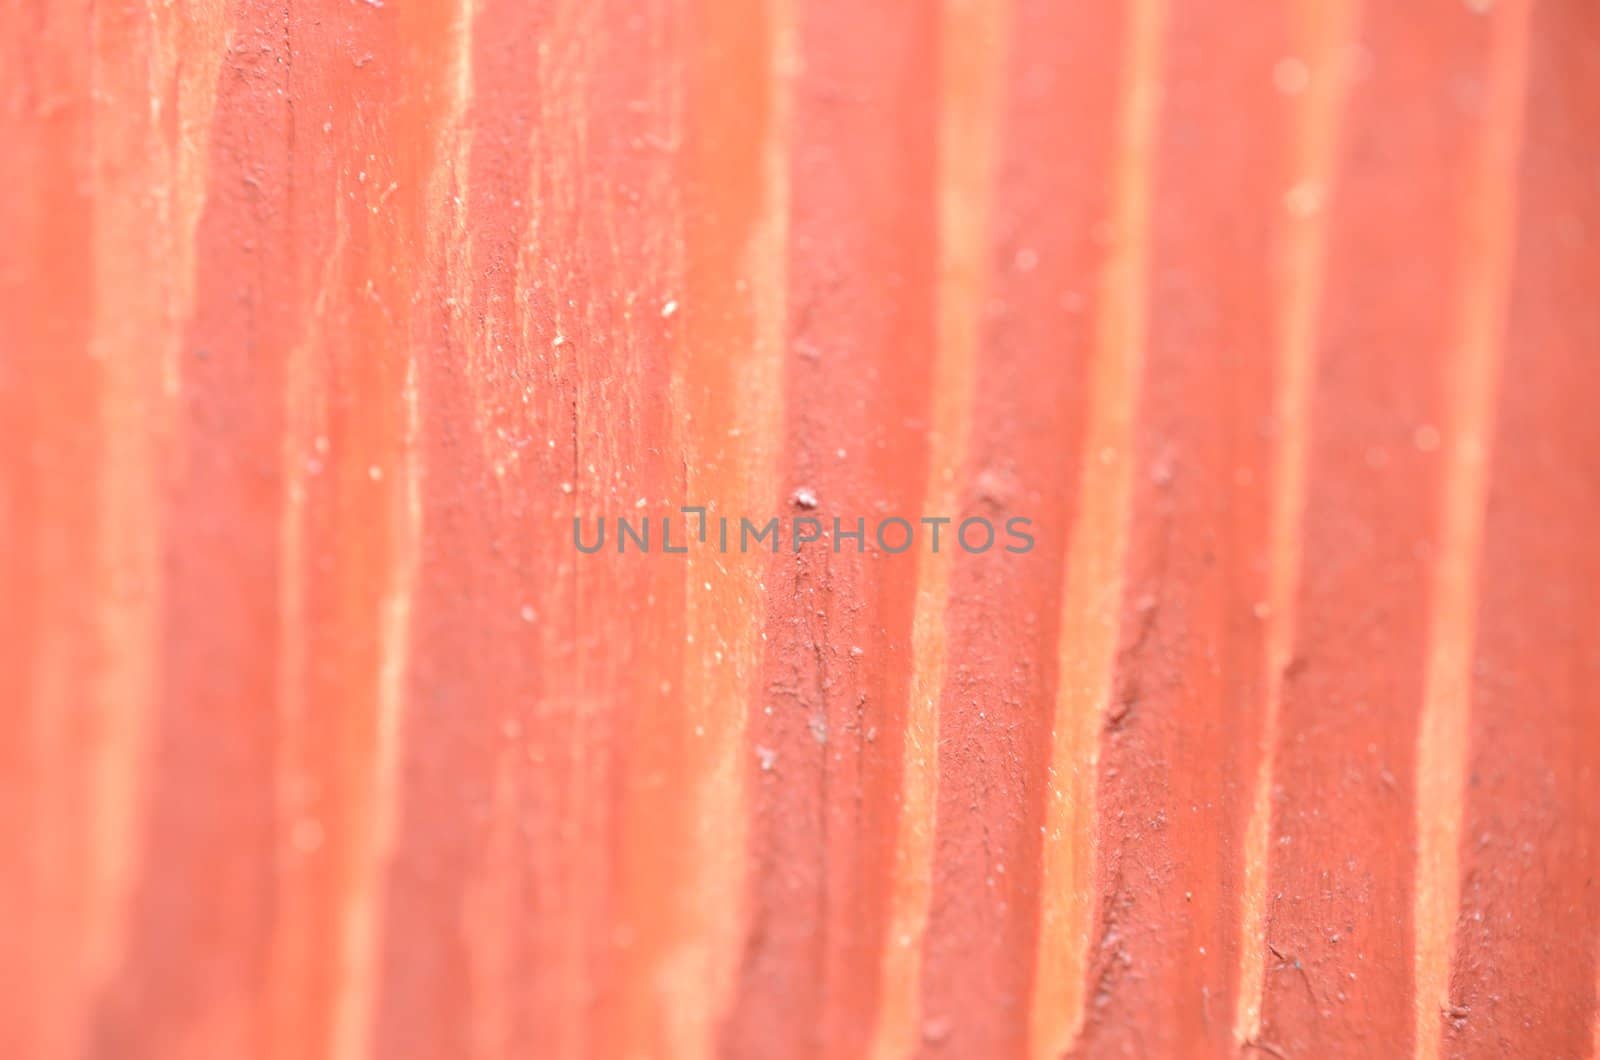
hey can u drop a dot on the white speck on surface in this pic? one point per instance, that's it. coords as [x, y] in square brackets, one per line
[669, 308]
[805, 498]
[528, 613]
[559, 340]
[767, 757]
[375, 473]
[819, 729]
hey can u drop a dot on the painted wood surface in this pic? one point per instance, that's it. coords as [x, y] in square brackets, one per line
[320, 323]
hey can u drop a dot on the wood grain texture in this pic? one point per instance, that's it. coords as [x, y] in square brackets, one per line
[321, 322]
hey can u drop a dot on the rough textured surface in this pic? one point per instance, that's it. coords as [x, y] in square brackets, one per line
[321, 321]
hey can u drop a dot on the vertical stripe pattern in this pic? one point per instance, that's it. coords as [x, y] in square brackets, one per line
[331, 330]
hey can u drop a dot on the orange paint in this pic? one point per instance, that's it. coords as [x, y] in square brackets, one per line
[1532, 790]
[827, 725]
[321, 322]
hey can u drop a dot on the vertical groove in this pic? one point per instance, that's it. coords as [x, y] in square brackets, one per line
[971, 66]
[305, 406]
[143, 282]
[828, 725]
[436, 127]
[1487, 250]
[1342, 854]
[727, 390]
[358, 944]
[747, 481]
[1323, 31]
[1091, 602]
[1525, 942]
